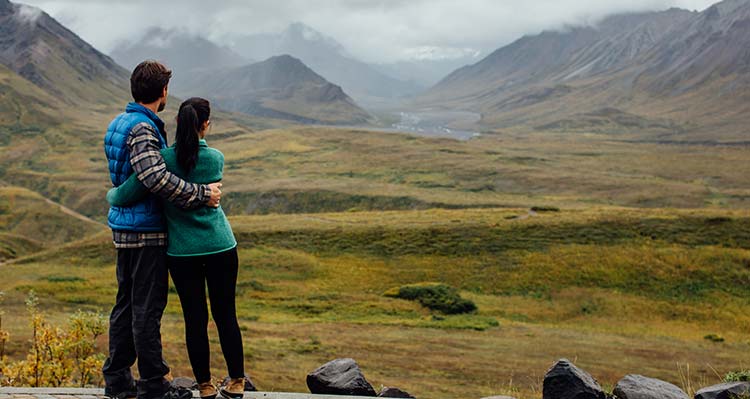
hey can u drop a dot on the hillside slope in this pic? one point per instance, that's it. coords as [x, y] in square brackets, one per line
[29, 223]
[24, 105]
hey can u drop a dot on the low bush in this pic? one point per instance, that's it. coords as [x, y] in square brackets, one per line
[737, 376]
[714, 338]
[58, 356]
[434, 296]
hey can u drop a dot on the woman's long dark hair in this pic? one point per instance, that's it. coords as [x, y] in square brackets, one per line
[194, 112]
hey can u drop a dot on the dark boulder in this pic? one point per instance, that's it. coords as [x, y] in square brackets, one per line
[339, 377]
[730, 390]
[249, 386]
[639, 387]
[566, 381]
[394, 393]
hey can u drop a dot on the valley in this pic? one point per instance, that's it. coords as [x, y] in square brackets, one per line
[430, 123]
[585, 188]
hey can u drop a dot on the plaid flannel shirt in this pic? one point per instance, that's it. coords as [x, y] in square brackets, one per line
[148, 164]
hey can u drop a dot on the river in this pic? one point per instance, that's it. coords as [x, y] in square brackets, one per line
[430, 123]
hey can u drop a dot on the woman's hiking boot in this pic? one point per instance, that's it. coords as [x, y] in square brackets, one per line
[234, 388]
[207, 390]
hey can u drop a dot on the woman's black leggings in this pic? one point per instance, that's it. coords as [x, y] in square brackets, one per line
[191, 275]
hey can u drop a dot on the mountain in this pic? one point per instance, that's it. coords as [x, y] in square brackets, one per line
[711, 46]
[328, 58]
[680, 70]
[205, 68]
[179, 49]
[281, 87]
[44, 52]
[558, 56]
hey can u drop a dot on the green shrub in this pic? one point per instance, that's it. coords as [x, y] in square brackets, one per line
[714, 338]
[434, 296]
[737, 376]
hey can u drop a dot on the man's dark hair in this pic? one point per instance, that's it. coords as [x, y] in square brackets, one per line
[148, 81]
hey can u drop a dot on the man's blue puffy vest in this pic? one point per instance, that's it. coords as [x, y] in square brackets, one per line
[146, 215]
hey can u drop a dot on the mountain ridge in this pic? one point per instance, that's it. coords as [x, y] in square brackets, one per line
[46, 53]
[659, 65]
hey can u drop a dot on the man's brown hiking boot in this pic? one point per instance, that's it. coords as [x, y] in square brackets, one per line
[207, 390]
[234, 389]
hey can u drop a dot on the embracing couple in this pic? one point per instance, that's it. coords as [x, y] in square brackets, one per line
[166, 219]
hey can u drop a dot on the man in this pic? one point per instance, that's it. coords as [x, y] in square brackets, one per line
[132, 145]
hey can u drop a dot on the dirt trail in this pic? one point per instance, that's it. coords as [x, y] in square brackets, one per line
[530, 214]
[72, 213]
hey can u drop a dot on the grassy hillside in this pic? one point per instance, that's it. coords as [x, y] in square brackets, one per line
[24, 106]
[64, 160]
[30, 222]
[620, 290]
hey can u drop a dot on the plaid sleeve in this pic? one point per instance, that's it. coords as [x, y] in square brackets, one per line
[148, 164]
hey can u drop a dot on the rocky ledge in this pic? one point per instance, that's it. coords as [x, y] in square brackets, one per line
[343, 378]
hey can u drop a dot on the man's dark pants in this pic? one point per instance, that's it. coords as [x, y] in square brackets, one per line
[135, 323]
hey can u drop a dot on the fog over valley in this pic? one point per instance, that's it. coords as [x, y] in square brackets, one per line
[383, 31]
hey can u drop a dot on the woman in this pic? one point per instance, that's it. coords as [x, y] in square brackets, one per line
[202, 251]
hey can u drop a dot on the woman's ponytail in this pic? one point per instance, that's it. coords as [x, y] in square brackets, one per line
[193, 113]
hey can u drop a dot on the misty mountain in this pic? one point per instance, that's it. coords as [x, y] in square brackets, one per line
[281, 87]
[55, 60]
[689, 69]
[328, 58]
[555, 56]
[180, 50]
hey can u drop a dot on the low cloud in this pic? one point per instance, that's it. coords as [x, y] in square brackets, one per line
[374, 30]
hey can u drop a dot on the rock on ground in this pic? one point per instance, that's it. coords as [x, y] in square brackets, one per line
[635, 386]
[566, 381]
[728, 390]
[184, 382]
[339, 377]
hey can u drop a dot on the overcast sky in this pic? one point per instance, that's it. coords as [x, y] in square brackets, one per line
[373, 30]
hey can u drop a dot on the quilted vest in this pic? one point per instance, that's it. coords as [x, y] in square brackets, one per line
[145, 215]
